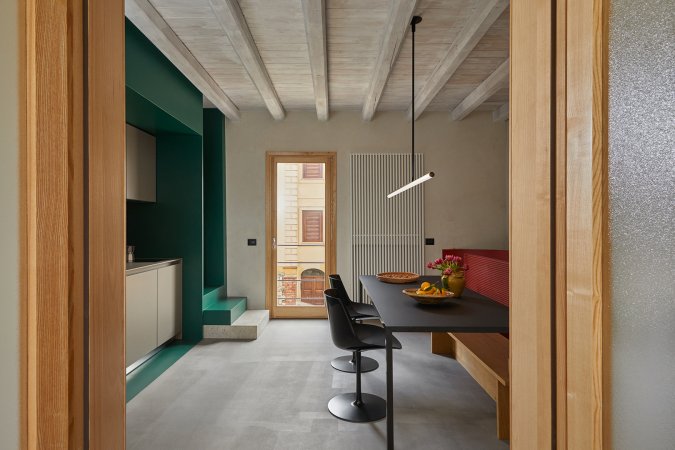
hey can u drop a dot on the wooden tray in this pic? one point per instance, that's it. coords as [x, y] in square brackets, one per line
[398, 277]
[426, 299]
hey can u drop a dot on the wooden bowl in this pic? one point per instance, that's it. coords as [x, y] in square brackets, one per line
[426, 299]
[398, 277]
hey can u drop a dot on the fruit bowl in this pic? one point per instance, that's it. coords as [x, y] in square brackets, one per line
[427, 299]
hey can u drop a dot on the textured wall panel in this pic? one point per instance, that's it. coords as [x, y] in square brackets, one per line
[387, 233]
[642, 222]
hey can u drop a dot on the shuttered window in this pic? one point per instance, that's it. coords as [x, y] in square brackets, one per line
[312, 171]
[312, 226]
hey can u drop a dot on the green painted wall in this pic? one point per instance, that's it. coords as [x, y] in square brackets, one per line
[145, 115]
[214, 199]
[152, 76]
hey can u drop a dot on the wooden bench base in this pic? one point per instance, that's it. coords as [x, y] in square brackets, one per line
[486, 357]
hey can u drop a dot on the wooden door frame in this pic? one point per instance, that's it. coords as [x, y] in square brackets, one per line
[330, 159]
[72, 224]
[69, 156]
[582, 248]
[559, 342]
[530, 219]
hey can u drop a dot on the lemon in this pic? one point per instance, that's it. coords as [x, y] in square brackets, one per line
[425, 286]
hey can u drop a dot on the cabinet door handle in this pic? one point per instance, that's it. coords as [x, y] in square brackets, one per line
[274, 243]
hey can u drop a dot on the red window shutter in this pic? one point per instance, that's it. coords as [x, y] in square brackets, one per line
[312, 226]
[312, 171]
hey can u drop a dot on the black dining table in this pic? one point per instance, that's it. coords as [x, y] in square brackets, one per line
[472, 313]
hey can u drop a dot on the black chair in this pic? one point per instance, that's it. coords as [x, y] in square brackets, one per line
[348, 335]
[356, 311]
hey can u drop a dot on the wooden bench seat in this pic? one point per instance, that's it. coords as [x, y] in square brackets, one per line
[486, 357]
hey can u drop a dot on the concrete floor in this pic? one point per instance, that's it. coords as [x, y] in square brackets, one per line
[272, 394]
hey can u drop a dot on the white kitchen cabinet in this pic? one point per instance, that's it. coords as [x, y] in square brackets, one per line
[169, 302]
[154, 301]
[141, 165]
[141, 315]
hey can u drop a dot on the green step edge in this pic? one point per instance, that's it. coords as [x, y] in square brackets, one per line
[151, 369]
[211, 295]
[224, 311]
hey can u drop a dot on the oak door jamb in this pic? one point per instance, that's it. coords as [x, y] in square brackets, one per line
[271, 158]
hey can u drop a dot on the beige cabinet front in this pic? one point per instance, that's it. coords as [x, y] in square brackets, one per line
[169, 296]
[141, 315]
[141, 165]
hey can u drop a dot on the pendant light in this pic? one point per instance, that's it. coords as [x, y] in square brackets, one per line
[414, 182]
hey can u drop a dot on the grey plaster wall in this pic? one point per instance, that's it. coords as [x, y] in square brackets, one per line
[9, 225]
[466, 204]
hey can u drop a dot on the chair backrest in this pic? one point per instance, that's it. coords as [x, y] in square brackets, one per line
[341, 329]
[336, 283]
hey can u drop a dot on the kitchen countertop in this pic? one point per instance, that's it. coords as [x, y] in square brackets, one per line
[154, 264]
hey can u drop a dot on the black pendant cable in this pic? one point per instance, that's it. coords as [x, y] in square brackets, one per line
[430, 175]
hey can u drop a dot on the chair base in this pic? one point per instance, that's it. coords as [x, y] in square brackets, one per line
[345, 364]
[372, 408]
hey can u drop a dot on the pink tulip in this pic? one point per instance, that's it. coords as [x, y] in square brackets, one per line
[447, 271]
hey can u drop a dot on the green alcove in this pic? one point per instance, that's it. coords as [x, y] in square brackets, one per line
[215, 275]
[162, 102]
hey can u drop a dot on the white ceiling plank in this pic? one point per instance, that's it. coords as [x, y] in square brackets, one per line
[398, 24]
[496, 81]
[501, 114]
[315, 29]
[146, 18]
[234, 24]
[471, 34]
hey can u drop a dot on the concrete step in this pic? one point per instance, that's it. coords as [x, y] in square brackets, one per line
[248, 327]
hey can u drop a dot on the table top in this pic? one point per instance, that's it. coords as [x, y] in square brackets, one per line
[472, 313]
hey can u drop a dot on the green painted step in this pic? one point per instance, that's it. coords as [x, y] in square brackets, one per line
[211, 295]
[224, 311]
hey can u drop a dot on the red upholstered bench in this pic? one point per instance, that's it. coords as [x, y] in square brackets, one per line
[484, 355]
[488, 272]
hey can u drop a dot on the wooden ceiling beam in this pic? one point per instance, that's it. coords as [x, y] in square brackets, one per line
[315, 30]
[234, 24]
[147, 19]
[398, 24]
[501, 114]
[464, 43]
[496, 81]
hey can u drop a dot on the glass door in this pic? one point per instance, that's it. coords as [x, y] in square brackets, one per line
[300, 227]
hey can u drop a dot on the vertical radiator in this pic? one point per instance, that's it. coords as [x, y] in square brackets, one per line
[387, 234]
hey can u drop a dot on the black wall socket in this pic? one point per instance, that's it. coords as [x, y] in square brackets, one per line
[252, 242]
[428, 241]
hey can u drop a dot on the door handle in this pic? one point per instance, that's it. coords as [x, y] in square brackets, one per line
[274, 243]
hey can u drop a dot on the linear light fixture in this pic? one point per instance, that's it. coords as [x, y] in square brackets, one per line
[430, 175]
[413, 183]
